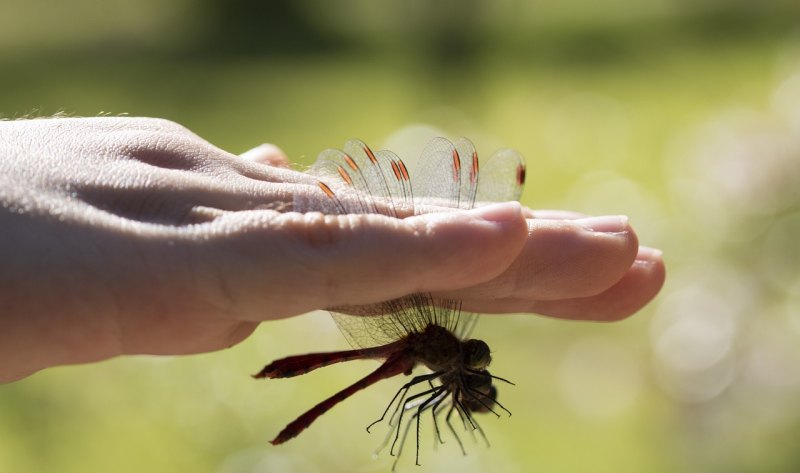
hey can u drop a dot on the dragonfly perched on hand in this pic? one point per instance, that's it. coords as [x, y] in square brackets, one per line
[417, 329]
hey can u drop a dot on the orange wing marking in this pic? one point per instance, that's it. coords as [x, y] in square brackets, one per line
[327, 190]
[456, 166]
[473, 173]
[350, 162]
[396, 171]
[344, 175]
[370, 155]
[403, 169]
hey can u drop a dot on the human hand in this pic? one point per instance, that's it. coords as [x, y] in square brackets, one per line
[133, 235]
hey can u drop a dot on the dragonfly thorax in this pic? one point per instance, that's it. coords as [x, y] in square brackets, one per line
[437, 348]
[440, 350]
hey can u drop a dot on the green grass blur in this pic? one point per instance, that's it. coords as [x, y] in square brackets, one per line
[683, 115]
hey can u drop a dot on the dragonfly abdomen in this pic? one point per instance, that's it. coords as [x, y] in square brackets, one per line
[398, 363]
[302, 364]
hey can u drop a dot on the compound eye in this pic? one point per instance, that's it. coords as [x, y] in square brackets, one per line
[476, 354]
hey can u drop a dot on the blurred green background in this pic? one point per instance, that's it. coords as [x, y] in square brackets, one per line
[683, 114]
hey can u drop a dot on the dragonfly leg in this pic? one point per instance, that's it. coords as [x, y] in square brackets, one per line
[411, 399]
[393, 420]
[420, 410]
[480, 431]
[485, 373]
[479, 396]
[434, 414]
[403, 389]
[452, 430]
[474, 393]
[464, 412]
[426, 404]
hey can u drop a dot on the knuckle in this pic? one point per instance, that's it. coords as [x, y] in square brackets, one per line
[316, 231]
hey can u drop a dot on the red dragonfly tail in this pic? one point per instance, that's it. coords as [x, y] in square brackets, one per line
[394, 365]
[302, 364]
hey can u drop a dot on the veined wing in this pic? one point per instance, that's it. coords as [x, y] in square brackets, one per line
[358, 180]
[446, 175]
[362, 181]
[502, 178]
[451, 175]
[371, 325]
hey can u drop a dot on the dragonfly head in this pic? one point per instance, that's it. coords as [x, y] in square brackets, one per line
[475, 354]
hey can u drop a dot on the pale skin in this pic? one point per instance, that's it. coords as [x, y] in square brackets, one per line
[134, 235]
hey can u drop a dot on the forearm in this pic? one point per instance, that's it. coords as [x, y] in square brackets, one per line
[46, 319]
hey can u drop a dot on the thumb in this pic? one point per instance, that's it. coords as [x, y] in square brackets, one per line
[290, 263]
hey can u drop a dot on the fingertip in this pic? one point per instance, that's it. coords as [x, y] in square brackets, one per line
[266, 153]
[640, 285]
[652, 262]
[498, 212]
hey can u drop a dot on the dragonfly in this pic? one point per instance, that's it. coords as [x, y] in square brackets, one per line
[419, 329]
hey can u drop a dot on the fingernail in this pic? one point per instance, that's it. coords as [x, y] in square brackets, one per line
[501, 212]
[605, 224]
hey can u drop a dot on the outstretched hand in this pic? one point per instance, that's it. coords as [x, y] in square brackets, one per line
[133, 235]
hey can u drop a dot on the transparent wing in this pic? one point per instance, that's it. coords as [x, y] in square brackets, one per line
[364, 331]
[386, 322]
[466, 324]
[469, 173]
[371, 182]
[358, 180]
[437, 177]
[502, 178]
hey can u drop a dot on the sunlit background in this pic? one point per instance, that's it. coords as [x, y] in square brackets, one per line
[684, 115]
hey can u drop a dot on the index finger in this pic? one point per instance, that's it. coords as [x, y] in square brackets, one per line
[562, 259]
